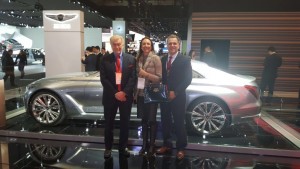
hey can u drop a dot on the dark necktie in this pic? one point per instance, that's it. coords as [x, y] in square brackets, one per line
[118, 68]
[169, 64]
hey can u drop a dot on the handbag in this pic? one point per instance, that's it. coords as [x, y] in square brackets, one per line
[155, 93]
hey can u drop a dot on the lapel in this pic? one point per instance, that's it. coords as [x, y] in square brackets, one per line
[175, 62]
[164, 62]
[124, 63]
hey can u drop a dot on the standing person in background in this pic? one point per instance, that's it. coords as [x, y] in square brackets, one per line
[209, 57]
[177, 75]
[149, 71]
[103, 51]
[192, 54]
[271, 64]
[90, 60]
[21, 60]
[118, 78]
[9, 68]
[97, 52]
[4, 53]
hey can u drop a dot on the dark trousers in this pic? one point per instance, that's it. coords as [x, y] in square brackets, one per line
[110, 111]
[10, 74]
[147, 111]
[21, 69]
[267, 82]
[175, 109]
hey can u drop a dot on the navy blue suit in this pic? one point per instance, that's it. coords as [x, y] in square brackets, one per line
[177, 80]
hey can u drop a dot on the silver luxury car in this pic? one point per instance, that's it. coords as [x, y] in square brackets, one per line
[215, 99]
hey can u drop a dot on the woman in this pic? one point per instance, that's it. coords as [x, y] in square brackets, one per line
[149, 70]
[22, 62]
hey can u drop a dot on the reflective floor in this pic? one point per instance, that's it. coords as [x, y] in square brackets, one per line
[264, 142]
[36, 154]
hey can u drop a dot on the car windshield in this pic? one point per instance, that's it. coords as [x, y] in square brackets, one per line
[202, 70]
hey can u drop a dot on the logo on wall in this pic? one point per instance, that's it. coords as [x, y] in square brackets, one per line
[61, 17]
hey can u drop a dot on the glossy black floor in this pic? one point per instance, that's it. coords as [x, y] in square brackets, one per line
[36, 154]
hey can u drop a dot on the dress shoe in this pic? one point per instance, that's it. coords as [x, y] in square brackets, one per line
[124, 153]
[142, 152]
[107, 154]
[180, 155]
[163, 150]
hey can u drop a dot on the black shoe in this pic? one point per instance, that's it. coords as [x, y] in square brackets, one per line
[142, 152]
[107, 154]
[151, 151]
[124, 153]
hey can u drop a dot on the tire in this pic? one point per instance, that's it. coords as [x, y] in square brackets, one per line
[210, 163]
[47, 109]
[46, 154]
[207, 116]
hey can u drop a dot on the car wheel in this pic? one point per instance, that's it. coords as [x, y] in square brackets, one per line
[207, 116]
[210, 163]
[47, 109]
[47, 154]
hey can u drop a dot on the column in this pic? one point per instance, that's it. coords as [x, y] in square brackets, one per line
[64, 39]
[119, 28]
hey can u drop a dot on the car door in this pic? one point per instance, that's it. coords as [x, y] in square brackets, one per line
[93, 95]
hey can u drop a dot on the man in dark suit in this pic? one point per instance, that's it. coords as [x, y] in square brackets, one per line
[271, 64]
[118, 77]
[97, 52]
[177, 75]
[90, 60]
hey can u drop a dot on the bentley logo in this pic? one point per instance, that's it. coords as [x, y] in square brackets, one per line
[61, 17]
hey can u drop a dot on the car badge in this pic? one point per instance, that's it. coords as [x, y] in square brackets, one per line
[61, 17]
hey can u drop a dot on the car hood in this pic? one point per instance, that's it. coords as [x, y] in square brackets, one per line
[76, 76]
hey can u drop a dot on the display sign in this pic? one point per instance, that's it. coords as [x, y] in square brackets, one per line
[63, 20]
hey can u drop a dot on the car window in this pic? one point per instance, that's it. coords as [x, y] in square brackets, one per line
[197, 75]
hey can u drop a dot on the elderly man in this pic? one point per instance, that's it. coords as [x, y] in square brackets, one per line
[118, 78]
[177, 75]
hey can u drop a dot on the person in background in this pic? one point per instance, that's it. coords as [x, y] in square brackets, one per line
[4, 53]
[177, 75]
[96, 50]
[149, 70]
[192, 54]
[90, 60]
[21, 60]
[103, 51]
[9, 68]
[118, 78]
[271, 64]
[209, 57]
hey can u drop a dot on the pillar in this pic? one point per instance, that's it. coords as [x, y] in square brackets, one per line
[64, 39]
[119, 28]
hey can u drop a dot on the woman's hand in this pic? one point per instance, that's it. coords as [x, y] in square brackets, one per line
[143, 73]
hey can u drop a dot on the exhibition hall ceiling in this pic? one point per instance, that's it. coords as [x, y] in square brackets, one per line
[156, 17]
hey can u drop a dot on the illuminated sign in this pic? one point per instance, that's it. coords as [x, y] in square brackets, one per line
[61, 17]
